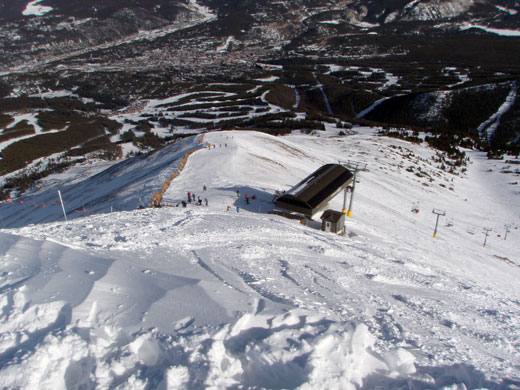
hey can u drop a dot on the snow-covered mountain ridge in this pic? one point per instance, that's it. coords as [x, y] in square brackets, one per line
[66, 61]
[201, 297]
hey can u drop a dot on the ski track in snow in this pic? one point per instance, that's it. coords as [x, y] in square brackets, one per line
[487, 128]
[322, 90]
[200, 297]
[371, 107]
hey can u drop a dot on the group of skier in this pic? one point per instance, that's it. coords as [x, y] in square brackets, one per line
[195, 199]
[246, 198]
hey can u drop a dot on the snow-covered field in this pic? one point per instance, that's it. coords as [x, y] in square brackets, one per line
[204, 298]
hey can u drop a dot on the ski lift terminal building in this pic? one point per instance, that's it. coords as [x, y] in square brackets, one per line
[313, 193]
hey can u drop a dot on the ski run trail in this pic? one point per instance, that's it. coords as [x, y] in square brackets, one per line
[487, 128]
[205, 298]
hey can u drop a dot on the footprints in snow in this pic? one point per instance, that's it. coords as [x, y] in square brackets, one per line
[256, 285]
[24, 326]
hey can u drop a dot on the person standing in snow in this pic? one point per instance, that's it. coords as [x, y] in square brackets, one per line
[206, 201]
[189, 197]
[204, 188]
[238, 194]
[247, 198]
[200, 201]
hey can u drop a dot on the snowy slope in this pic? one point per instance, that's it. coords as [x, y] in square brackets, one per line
[201, 297]
[122, 186]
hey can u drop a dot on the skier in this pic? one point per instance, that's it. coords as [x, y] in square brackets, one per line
[189, 197]
[238, 194]
[206, 201]
[200, 201]
[247, 198]
[204, 188]
[238, 209]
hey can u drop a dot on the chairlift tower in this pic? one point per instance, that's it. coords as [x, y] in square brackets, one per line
[507, 231]
[440, 213]
[354, 166]
[486, 233]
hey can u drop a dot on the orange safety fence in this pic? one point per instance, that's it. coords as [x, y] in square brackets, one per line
[157, 197]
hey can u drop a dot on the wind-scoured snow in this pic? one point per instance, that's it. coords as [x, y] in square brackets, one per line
[204, 298]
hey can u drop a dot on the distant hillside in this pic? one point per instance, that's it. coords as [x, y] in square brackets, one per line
[78, 78]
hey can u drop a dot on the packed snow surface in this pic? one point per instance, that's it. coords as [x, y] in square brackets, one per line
[205, 297]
